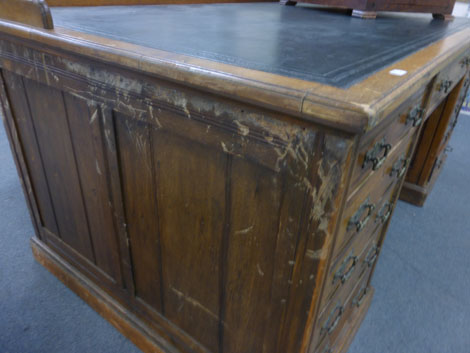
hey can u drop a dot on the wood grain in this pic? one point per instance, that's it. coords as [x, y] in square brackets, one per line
[201, 207]
[53, 132]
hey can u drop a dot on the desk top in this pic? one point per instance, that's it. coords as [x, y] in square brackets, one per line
[305, 43]
[312, 64]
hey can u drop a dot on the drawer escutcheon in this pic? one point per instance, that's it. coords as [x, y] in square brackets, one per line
[377, 155]
[384, 214]
[399, 168]
[466, 61]
[359, 299]
[445, 86]
[333, 319]
[344, 272]
[415, 117]
[372, 255]
[355, 221]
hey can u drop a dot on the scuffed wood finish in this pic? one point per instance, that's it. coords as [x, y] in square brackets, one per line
[197, 200]
[29, 12]
[205, 208]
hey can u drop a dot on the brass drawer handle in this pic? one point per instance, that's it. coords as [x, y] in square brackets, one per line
[359, 299]
[415, 116]
[445, 86]
[466, 82]
[466, 61]
[384, 214]
[377, 155]
[399, 168]
[355, 221]
[333, 319]
[344, 272]
[372, 255]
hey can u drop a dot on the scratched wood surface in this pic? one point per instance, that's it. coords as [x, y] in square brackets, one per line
[198, 216]
[217, 205]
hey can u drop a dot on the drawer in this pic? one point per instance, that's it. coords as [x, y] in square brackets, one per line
[447, 79]
[335, 343]
[344, 273]
[455, 114]
[337, 313]
[375, 151]
[363, 206]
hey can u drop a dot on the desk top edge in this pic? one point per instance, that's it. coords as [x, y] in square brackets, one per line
[348, 109]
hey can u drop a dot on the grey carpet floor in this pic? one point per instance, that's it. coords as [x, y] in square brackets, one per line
[422, 281]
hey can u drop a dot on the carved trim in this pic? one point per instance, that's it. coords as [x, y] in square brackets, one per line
[29, 12]
[42, 66]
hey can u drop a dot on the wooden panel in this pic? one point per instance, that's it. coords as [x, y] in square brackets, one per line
[441, 128]
[191, 204]
[84, 119]
[33, 159]
[51, 126]
[255, 206]
[30, 12]
[425, 140]
[138, 185]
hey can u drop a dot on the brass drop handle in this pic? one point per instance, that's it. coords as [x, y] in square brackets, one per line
[399, 168]
[372, 255]
[346, 269]
[359, 299]
[415, 116]
[384, 214]
[377, 155]
[445, 86]
[333, 319]
[356, 221]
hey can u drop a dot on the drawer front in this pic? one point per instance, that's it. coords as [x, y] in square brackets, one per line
[346, 271]
[375, 152]
[364, 205]
[337, 314]
[455, 114]
[447, 79]
[334, 343]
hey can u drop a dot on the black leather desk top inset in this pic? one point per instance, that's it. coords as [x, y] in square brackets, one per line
[302, 42]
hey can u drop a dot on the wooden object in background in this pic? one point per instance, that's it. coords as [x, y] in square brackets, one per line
[31, 12]
[432, 149]
[143, 2]
[204, 207]
[367, 9]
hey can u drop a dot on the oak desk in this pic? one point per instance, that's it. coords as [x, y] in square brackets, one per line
[220, 178]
